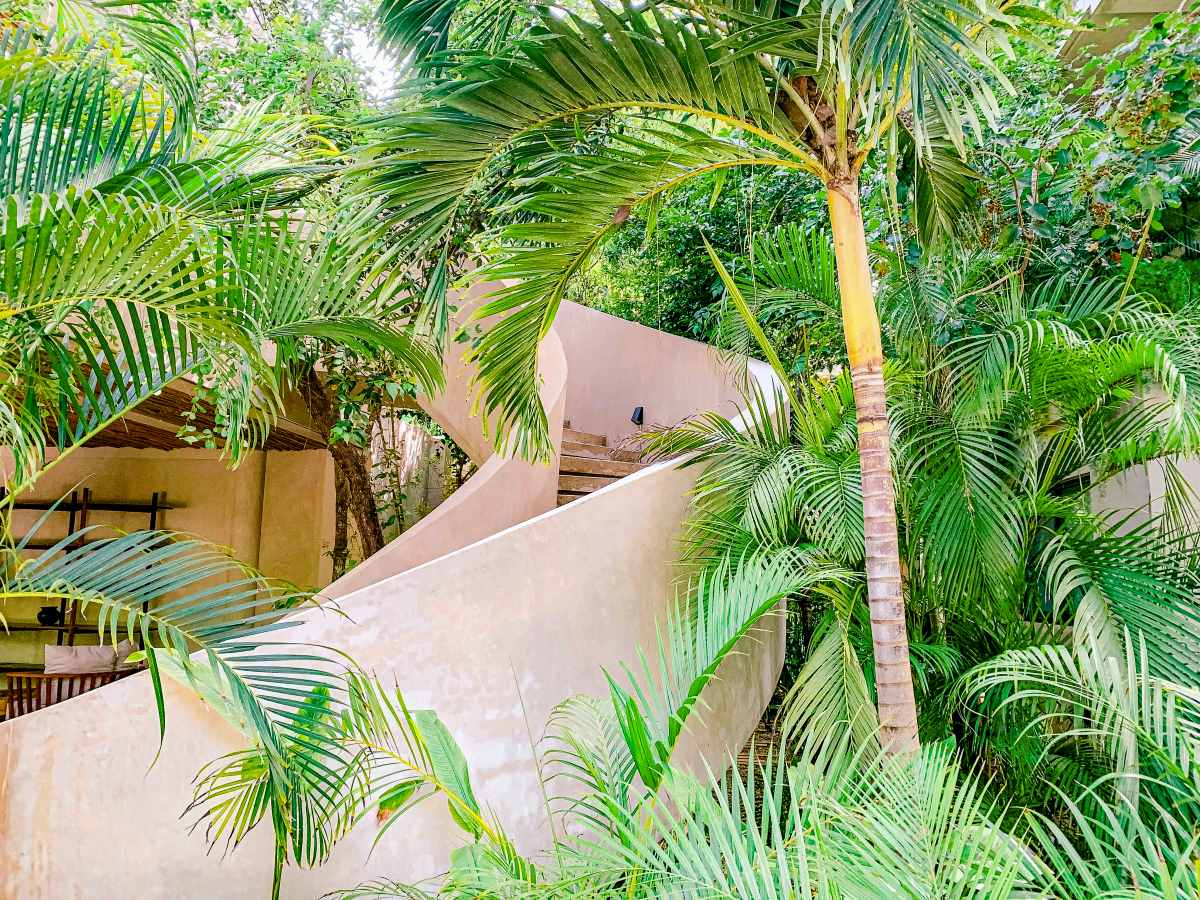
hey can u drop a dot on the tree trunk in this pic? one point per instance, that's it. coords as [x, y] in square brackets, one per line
[341, 523]
[893, 675]
[351, 463]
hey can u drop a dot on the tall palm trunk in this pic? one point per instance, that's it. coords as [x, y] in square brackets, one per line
[893, 677]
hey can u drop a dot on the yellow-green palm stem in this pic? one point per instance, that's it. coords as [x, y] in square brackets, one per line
[893, 675]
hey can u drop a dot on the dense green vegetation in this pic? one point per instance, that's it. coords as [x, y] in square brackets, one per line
[1073, 167]
[184, 187]
[1009, 415]
[142, 248]
[1029, 362]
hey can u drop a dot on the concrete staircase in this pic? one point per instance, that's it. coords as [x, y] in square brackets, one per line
[587, 464]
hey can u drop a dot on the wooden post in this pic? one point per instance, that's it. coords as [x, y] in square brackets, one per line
[83, 517]
[62, 604]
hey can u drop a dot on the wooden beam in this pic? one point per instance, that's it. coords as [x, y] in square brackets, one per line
[155, 423]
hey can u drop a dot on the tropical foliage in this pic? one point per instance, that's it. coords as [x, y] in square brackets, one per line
[678, 91]
[1055, 655]
[735, 72]
[1012, 407]
[649, 270]
[1053, 646]
[138, 252]
[1092, 168]
[1073, 167]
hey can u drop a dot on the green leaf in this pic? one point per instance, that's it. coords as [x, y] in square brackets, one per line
[450, 768]
[751, 323]
[397, 798]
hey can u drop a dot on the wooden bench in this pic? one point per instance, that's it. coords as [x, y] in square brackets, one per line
[31, 691]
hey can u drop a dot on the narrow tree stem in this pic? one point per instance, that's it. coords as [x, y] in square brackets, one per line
[351, 464]
[893, 675]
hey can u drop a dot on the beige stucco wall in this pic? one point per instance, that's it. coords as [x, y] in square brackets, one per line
[618, 365]
[491, 635]
[297, 521]
[503, 491]
[595, 368]
[275, 511]
[1140, 492]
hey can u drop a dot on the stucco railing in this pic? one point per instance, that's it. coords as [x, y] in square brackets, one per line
[502, 492]
[492, 635]
[595, 370]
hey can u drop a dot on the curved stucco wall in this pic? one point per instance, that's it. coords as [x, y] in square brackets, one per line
[503, 491]
[491, 635]
[595, 368]
[486, 635]
[617, 365]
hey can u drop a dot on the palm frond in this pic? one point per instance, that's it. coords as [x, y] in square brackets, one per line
[835, 823]
[943, 189]
[791, 278]
[830, 697]
[933, 52]
[410, 756]
[253, 160]
[587, 749]
[383, 887]
[1110, 851]
[177, 597]
[111, 299]
[652, 704]
[569, 73]
[1114, 582]
[967, 477]
[329, 280]
[61, 131]
[156, 29]
[1149, 728]
[539, 256]
[425, 32]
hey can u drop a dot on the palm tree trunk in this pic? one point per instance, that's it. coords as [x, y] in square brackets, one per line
[893, 676]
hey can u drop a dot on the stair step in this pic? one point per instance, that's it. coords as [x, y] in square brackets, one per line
[582, 484]
[632, 456]
[570, 464]
[564, 499]
[584, 437]
[578, 448]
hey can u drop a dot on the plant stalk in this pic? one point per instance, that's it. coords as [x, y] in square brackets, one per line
[864, 346]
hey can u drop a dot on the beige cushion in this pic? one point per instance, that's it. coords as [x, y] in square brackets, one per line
[123, 650]
[86, 659]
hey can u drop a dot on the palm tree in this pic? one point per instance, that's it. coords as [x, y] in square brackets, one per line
[1011, 406]
[677, 90]
[827, 814]
[1113, 724]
